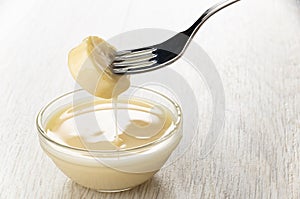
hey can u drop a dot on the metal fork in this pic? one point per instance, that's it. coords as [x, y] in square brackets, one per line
[154, 57]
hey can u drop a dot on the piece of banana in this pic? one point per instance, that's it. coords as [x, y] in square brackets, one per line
[89, 65]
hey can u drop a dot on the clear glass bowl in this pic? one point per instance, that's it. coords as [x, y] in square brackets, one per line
[110, 170]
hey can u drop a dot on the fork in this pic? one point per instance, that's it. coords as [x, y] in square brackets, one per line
[157, 56]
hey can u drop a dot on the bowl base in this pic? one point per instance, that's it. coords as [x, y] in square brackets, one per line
[113, 191]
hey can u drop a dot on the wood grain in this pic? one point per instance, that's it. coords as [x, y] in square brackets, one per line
[255, 46]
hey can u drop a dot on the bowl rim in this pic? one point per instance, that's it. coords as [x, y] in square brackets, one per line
[42, 132]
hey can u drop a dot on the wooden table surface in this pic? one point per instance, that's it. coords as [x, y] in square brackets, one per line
[256, 49]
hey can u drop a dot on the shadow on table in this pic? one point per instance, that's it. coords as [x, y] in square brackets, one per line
[150, 189]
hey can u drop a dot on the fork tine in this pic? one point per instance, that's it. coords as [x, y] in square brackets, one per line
[134, 64]
[122, 52]
[133, 53]
[136, 68]
[143, 57]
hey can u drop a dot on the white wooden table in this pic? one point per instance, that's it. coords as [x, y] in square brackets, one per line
[255, 46]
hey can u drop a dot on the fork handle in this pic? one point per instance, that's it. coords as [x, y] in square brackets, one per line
[191, 31]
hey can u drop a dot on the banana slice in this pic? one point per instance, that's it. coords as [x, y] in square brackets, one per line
[89, 65]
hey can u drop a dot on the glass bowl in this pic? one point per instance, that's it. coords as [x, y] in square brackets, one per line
[110, 170]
